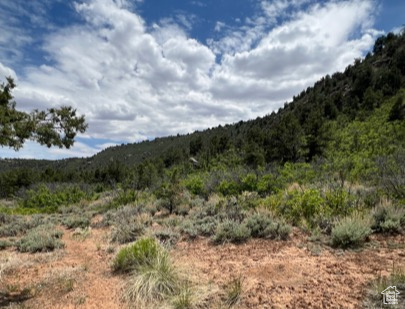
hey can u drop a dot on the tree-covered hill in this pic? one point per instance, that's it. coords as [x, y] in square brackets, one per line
[352, 118]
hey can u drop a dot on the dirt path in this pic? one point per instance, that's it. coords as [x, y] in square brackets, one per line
[79, 276]
[289, 275]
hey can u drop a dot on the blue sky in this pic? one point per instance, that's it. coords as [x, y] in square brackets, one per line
[143, 69]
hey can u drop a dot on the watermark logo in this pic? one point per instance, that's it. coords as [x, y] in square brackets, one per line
[390, 295]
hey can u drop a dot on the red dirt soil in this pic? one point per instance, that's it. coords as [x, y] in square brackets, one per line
[276, 274]
[288, 275]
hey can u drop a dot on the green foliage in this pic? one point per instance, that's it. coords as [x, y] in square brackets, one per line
[231, 231]
[302, 173]
[308, 205]
[55, 127]
[392, 174]
[268, 184]
[397, 111]
[43, 198]
[351, 231]
[249, 182]
[43, 238]
[339, 201]
[195, 184]
[229, 188]
[144, 252]
[124, 197]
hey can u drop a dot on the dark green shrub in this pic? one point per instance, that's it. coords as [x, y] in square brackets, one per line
[268, 184]
[231, 231]
[249, 182]
[43, 197]
[195, 184]
[143, 252]
[308, 205]
[229, 188]
[339, 201]
[123, 198]
[351, 231]
[43, 238]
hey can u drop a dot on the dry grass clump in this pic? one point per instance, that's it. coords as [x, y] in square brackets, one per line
[375, 298]
[234, 292]
[154, 280]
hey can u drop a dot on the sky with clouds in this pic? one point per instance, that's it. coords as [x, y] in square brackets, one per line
[140, 69]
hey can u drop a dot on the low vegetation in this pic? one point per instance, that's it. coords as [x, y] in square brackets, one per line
[43, 238]
[351, 231]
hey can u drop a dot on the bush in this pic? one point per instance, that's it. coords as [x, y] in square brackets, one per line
[351, 231]
[249, 182]
[43, 238]
[195, 184]
[188, 228]
[143, 252]
[123, 198]
[263, 225]
[75, 221]
[231, 231]
[127, 231]
[308, 205]
[268, 184]
[388, 218]
[229, 188]
[43, 198]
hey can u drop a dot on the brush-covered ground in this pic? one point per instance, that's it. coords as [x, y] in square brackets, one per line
[215, 253]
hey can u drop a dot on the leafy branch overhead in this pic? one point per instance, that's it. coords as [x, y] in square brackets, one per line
[54, 127]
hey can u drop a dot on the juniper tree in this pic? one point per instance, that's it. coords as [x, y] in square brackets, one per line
[53, 127]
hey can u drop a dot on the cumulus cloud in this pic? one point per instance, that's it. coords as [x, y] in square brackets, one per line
[134, 82]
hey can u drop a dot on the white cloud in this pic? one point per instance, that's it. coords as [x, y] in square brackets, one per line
[133, 83]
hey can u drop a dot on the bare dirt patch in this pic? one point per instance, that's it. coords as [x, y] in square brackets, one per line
[77, 276]
[289, 275]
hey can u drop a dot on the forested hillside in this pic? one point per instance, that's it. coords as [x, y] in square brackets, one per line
[350, 120]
